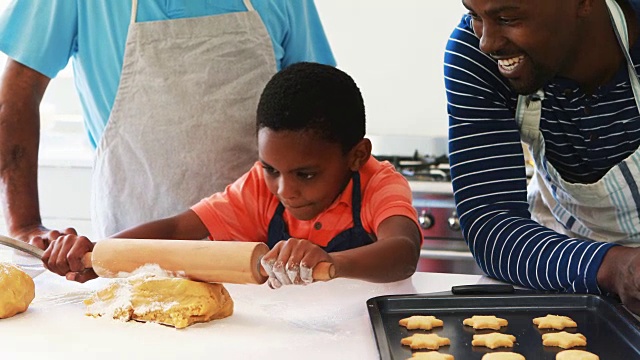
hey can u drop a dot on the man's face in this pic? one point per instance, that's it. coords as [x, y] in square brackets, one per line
[304, 171]
[533, 41]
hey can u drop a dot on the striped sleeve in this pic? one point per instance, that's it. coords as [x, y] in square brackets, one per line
[489, 181]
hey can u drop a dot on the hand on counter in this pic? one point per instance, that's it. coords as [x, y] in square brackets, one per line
[620, 274]
[291, 262]
[39, 235]
[64, 255]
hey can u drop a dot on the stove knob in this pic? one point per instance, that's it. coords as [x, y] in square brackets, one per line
[454, 222]
[425, 220]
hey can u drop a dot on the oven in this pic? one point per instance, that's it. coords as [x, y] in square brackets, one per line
[444, 248]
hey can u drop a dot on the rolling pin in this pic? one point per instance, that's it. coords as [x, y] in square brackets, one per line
[208, 261]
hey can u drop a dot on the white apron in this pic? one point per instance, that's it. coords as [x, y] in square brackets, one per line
[183, 122]
[607, 210]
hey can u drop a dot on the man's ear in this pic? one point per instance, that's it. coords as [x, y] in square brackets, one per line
[359, 154]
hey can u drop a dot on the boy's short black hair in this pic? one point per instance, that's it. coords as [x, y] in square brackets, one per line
[314, 97]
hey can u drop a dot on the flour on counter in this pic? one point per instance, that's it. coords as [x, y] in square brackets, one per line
[75, 297]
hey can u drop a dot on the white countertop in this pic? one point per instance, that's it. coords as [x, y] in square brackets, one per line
[320, 321]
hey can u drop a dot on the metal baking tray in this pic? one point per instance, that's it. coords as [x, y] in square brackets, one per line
[611, 331]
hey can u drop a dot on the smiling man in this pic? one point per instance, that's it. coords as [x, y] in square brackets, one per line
[561, 77]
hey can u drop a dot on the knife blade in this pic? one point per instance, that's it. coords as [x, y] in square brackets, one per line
[21, 246]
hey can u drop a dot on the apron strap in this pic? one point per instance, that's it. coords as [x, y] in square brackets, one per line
[134, 11]
[617, 17]
[247, 3]
[528, 113]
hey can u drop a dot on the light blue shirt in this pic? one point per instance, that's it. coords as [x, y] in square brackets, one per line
[45, 34]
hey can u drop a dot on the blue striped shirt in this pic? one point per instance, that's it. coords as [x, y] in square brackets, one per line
[585, 135]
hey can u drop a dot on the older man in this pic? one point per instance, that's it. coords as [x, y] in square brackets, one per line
[561, 77]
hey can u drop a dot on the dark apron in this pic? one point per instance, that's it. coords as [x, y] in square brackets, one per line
[348, 239]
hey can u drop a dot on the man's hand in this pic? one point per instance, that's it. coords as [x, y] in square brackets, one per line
[291, 262]
[64, 257]
[40, 236]
[620, 274]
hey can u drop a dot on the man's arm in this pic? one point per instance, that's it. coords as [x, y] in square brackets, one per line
[21, 91]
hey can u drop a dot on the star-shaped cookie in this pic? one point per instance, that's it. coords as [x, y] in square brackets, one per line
[576, 355]
[421, 322]
[485, 322]
[493, 340]
[564, 339]
[554, 322]
[430, 355]
[503, 356]
[425, 341]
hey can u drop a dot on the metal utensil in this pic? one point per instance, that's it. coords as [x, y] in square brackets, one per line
[21, 246]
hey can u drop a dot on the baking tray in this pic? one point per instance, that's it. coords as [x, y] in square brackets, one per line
[611, 331]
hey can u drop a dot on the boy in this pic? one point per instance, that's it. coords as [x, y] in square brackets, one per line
[315, 195]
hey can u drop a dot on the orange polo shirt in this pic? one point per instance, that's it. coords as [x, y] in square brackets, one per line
[245, 208]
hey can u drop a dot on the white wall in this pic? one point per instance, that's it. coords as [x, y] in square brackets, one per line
[394, 50]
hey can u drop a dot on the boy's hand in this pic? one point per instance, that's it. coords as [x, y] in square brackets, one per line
[64, 255]
[291, 262]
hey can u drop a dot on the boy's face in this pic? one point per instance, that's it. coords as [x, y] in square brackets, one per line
[533, 41]
[304, 171]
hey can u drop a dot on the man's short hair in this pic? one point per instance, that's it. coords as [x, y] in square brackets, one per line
[314, 97]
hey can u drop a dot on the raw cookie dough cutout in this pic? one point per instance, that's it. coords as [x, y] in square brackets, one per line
[564, 339]
[485, 322]
[554, 322]
[430, 355]
[421, 322]
[503, 356]
[425, 341]
[493, 340]
[576, 355]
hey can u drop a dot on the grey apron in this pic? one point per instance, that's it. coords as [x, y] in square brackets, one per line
[607, 210]
[183, 122]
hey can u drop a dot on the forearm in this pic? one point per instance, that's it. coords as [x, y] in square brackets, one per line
[523, 252]
[19, 170]
[390, 260]
[20, 95]
[184, 226]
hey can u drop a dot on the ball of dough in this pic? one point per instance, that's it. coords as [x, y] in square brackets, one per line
[169, 301]
[17, 290]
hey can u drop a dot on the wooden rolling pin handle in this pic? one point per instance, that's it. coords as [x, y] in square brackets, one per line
[323, 271]
[86, 261]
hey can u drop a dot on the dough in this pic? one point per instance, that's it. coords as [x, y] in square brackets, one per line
[169, 301]
[493, 340]
[564, 339]
[425, 341]
[17, 290]
[421, 322]
[485, 322]
[554, 322]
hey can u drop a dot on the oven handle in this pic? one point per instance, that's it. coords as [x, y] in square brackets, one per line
[445, 254]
